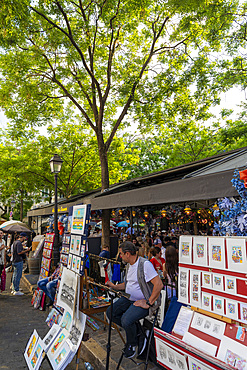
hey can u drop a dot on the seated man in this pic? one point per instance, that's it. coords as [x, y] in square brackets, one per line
[144, 285]
[48, 285]
[105, 252]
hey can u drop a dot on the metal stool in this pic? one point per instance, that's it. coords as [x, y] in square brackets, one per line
[149, 338]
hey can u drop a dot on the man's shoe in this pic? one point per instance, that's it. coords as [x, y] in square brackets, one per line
[18, 293]
[142, 342]
[129, 351]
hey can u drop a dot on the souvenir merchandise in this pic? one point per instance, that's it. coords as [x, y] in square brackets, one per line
[200, 344]
[216, 251]
[66, 238]
[47, 253]
[233, 353]
[50, 336]
[39, 248]
[67, 290]
[200, 251]
[79, 219]
[168, 357]
[64, 259]
[208, 325]
[207, 280]
[206, 301]
[236, 254]
[185, 249]
[197, 365]
[66, 321]
[218, 305]
[231, 309]
[54, 317]
[218, 282]
[48, 245]
[49, 237]
[56, 346]
[77, 330]
[183, 284]
[195, 291]
[243, 312]
[230, 285]
[34, 352]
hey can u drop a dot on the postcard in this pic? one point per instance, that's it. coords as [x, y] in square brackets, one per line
[216, 247]
[236, 254]
[241, 333]
[185, 249]
[200, 251]
[218, 282]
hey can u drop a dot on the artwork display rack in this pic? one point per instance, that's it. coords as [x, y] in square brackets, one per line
[38, 299]
[212, 283]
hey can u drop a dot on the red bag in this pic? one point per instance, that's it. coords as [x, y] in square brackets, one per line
[3, 280]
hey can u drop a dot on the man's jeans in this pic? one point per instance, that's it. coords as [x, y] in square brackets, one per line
[125, 314]
[17, 274]
[48, 287]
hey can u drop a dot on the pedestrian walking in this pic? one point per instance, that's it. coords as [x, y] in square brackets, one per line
[18, 252]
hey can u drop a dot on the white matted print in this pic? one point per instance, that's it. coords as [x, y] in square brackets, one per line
[236, 254]
[208, 325]
[233, 353]
[200, 251]
[218, 282]
[183, 285]
[70, 261]
[207, 280]
[243, 312]
[232, 309]
[169, 357]
[76, 331]
[230, 285]
[218, 305]
[185, 249]
[56, 346]
[206, 301]
[37, 356]
[196, 365]
[216, 252]
[195, 288]
[79, 219]
[33, 340]
[50, 336]
[67, 290]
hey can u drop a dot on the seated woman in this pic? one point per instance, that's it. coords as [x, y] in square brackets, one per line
[170, 270]
[157, 261]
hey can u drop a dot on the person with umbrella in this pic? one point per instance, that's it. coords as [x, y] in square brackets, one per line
[18, 252]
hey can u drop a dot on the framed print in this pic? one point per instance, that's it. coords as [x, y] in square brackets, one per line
[207, 280]
[49, 237]
[37, 356]
[230, 285]
[216, 252]
[79, 219]
[46, 263]
[206, 301]
[31, 346]
[50, 336]
[77, 245]
[208, 325]
[47, 253]
[232, 309]
[218, 305]
[72, 244]
[169, 357]
[183, 285]
[67, 290]
[218, 282]
[200, 250]
[195, 288]
[185, 249]
[56, 346]
[48, 245]
[236, 254]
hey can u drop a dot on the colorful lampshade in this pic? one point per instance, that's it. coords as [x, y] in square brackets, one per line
[146, 213]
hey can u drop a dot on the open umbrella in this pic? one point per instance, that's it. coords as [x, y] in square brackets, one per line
[122, 224]
[14, 226]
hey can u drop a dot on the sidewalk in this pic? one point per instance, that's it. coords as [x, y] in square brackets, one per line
[18, 319]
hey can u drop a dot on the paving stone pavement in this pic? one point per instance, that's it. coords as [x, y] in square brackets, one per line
[18, 319]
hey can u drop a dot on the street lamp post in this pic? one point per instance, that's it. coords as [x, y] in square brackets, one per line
[56, 164]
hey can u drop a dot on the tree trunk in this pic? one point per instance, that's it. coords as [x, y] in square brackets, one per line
[106, 213]
[21, 205]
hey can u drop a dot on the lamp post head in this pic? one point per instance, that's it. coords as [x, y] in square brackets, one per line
[56, 163]
[12, 203]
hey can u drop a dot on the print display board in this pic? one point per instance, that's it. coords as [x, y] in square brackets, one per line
[212, 275]
[78, 238]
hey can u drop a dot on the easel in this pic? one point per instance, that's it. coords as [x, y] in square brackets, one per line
[90, 311]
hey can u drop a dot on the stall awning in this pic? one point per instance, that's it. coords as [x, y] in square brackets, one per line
[205, 187]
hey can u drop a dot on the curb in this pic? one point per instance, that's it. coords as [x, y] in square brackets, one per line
[92, 352]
